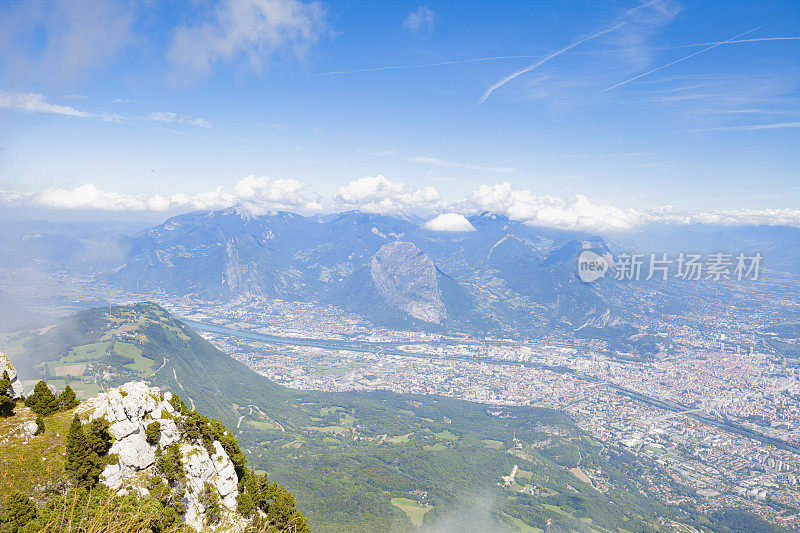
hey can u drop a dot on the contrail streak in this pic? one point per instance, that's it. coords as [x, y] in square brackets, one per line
[754, 127]
[756, 40]
[424, 65]
[557, 53]
[620, 84]
[504, 58]
[542, 61]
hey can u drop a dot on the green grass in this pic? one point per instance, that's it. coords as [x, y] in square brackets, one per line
[79, 354]
[26, 466]
[446, 435]
[57, 384]
[555, 509]
[356, 478]
[524, 474]
[140, 364]
[413, 509]
[521, 527]
[14, 347]
[84, 389]
[87, 352]
[263, 424]
[653, 449]
[327, 429]
[400, 439]
[126, 349]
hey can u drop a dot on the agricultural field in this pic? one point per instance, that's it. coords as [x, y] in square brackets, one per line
[413, 509]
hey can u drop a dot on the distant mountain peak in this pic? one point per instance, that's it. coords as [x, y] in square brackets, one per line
[406, 278]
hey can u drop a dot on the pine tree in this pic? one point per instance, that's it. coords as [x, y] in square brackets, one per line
[5, 387]
[98, 442]
[209, 498]
[42, 401]
[279, 510]
[67, 399]
[18, 510]
[97, 437]
[152, 431]
[79, 463]
[283, 514]
[6, 401]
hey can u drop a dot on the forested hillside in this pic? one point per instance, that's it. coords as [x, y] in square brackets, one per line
[376, 461]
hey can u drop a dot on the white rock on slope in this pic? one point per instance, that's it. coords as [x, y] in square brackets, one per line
[129, 409]
[16, 385]
[30, 428]
[201, 468]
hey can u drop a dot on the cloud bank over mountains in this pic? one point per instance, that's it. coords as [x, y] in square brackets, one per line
[261, 195]
[380, 195]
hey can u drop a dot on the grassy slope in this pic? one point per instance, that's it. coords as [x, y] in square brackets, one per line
[376, 446]
[30, 464]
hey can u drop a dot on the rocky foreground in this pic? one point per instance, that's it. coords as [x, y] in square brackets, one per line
[130, 409]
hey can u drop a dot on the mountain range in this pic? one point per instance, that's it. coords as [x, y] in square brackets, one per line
[504, 276]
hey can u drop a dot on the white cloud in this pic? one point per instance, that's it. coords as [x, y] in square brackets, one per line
[260, 195]
[577, 212]
[175, 118]
[36, 103]
[380, 195]
[420, 21]
[90, 197]
[263, 194]
[734, 217]
[449, 222]
[249, 30]
[61, 39]
[580, 213]
[216, 199]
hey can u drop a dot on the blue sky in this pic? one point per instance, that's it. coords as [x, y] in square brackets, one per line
[146, 98]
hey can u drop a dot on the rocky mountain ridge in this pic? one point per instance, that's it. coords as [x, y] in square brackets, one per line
[506, 277]
[410, 270]
[133, 408]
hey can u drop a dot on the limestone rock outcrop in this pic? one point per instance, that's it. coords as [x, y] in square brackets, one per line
[16, 384]
[129, 409]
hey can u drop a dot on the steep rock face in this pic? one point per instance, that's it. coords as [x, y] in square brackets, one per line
[202, 468]
[226, 255]
[16, 385]
[129, 409]
[241, 277]
[407, 279]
